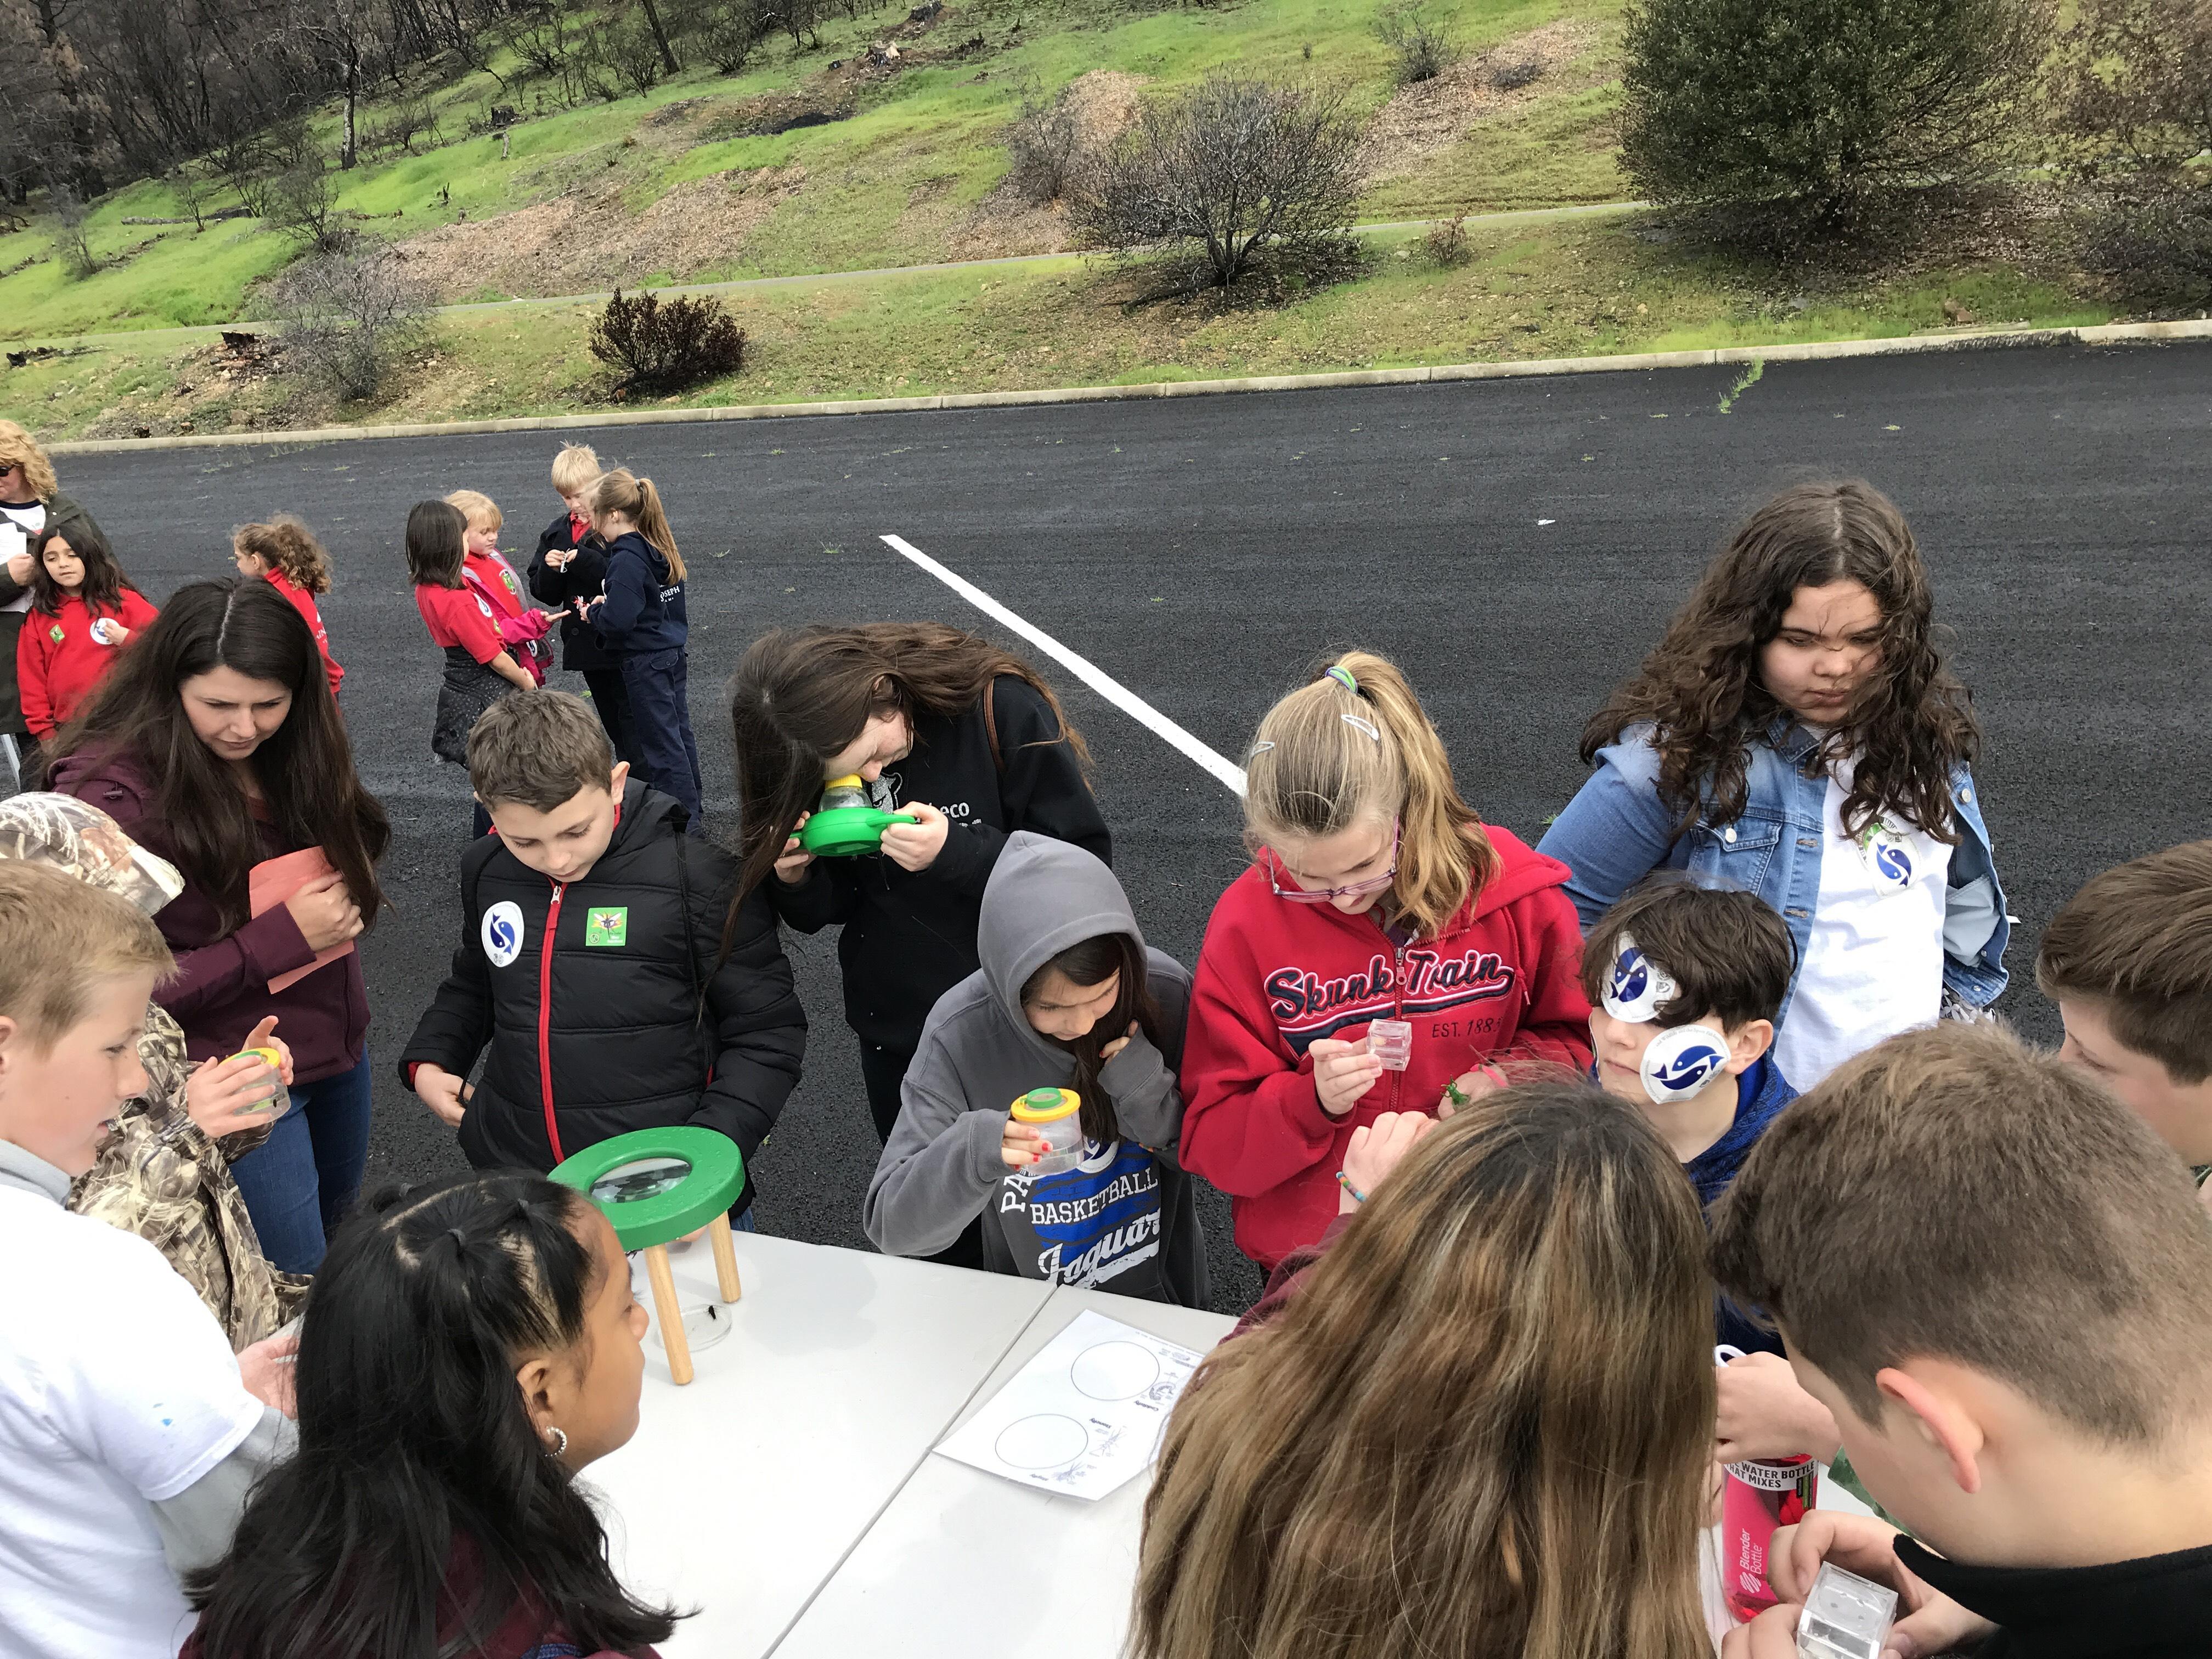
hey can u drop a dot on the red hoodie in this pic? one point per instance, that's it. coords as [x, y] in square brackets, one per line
[57, 660]
[304, 602]
[1500, 981]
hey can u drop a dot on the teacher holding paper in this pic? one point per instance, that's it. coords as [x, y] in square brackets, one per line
[215, 743]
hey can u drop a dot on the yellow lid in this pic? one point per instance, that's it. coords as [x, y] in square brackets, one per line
[274, 1061]
[855, 782]
[1047, 1105]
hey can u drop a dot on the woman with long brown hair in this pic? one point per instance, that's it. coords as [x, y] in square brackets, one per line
[966, 739]
[1796, 734]
[1483, 1425]
[216, 743]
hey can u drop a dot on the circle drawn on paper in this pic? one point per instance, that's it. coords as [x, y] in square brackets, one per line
[1047, 1441]
[1116, 1370]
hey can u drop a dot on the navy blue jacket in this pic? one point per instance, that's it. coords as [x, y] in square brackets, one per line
[644, 612]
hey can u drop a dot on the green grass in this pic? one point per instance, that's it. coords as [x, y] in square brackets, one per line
[1557, 290]
[889, 186]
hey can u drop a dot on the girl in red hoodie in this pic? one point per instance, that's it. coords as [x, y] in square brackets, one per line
[83, 611]
[1385, 951]
[285, 554]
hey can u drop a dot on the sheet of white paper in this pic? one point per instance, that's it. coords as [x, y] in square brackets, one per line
[1085, 1416]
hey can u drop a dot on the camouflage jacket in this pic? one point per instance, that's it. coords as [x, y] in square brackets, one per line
[159, 1175]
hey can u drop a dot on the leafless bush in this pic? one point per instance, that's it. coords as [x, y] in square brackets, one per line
[1046, 144]
[410, 123]
[1420, 43]
[344, 317]
[1445, 242]
[70, 232]
[633, 54]
[726, 30]
[302, 202]
[1232, 165]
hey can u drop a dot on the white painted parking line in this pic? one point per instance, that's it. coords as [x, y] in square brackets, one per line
[1082, 667]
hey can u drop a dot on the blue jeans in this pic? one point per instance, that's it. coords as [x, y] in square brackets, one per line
[299, 1182]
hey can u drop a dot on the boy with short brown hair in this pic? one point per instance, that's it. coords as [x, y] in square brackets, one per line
[1993, 1275]
[592, 972]
[2129, 962]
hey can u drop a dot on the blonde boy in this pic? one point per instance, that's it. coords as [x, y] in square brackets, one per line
[128, 1436]
[568, 571]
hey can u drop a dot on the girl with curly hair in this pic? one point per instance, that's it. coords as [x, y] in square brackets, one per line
[285, 553]
[1796, 734]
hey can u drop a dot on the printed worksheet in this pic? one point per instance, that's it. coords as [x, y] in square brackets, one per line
[1085, 1416]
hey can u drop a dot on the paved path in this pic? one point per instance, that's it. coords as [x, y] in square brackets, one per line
[1515, 543]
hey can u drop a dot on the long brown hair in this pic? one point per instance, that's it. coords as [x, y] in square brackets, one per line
[1332, 753]
[1483, 1426]
[800, 695]
[288, 547]
[104, 581]
[305, 768]
[1083, 964]
[1700, 688]
[622, 491]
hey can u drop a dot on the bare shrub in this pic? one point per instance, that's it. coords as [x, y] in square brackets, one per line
[1445, 242]
[302, 202]
[1232, 165]
[1045, 143]
[344, 317]
[410, 123]
[664, 347]
[633, 55]
[1511, 74]
[727, 31]
[70, 232]
[1421, 45]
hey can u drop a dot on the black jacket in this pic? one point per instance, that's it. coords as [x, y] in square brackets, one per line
[909, 938]
[584, 578]
[2159, 1607]
[632, 957]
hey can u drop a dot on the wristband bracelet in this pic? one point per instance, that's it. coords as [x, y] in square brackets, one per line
[1344, 1182]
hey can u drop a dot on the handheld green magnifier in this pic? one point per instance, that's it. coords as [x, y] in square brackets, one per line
[845, 825]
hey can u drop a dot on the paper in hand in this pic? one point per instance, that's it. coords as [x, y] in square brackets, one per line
[270, 882]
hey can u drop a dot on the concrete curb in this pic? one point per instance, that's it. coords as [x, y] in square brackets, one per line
[1957, 340]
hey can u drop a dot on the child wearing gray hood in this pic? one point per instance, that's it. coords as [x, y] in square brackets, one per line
[1068, 996]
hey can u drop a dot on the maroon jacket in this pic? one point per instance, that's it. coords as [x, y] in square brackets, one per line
[221, 986]
[1289, 1278]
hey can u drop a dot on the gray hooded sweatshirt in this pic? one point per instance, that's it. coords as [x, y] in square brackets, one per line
[1125, 1218]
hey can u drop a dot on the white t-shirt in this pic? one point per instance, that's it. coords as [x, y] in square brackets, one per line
[117, 1389]
[17, 525]
[1874, 963]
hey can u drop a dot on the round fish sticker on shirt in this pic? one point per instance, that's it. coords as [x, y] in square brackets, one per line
[502, 932]
[1888, 856]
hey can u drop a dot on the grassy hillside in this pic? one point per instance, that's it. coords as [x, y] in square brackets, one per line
[666, 187]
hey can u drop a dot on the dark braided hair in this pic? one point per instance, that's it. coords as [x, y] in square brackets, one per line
[414, 1436]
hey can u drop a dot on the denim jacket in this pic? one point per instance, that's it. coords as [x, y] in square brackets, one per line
[1616, 831]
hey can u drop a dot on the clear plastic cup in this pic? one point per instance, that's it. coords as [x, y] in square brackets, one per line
[1057, 1115]
[279, 1098]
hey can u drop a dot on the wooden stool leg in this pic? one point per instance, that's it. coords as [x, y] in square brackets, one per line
[725, 1257]
[669, 1312]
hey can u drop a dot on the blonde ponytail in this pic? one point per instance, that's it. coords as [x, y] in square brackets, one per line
[622, 491]
[1356, 743]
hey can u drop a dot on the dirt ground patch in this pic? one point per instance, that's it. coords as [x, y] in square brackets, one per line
[582, 242]
[1430, 116]
[1104, 102]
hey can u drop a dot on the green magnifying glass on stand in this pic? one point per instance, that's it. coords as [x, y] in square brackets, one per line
[845, 825]
[654, 1187]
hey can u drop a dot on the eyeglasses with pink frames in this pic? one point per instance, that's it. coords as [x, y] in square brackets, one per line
[1328, 894]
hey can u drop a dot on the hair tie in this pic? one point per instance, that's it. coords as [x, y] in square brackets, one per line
[460, 1243]
[1342, 676]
